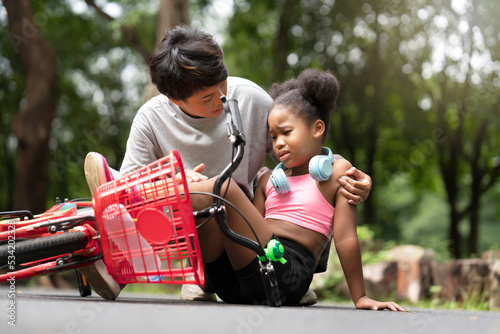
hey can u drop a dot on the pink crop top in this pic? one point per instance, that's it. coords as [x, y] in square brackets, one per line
[304, 205]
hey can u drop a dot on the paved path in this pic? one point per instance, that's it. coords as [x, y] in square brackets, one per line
[63, 311]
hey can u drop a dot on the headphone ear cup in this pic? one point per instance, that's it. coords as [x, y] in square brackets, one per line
[279, 180]
[320, 168]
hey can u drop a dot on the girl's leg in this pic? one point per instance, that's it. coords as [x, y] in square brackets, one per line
[212, 241]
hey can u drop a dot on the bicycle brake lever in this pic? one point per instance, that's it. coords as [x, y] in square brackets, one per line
[204, 213]
[63, 224]
[21, 214]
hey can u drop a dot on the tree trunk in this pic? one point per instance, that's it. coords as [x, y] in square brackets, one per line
[32, 125]
[474, 222]
[282, 42]
[374, 108]
[8, 171]
[449, 150]
[476, 192]
[170, 14]
[450, 177]
[455, 246]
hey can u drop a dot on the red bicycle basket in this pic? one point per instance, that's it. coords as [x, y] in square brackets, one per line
[147, 228]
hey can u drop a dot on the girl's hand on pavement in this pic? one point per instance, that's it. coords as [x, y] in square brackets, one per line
[365, 303]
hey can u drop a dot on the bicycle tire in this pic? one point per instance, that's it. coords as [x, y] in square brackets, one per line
[42, 248]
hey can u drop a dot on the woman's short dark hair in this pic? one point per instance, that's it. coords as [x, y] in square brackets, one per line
[186, 61]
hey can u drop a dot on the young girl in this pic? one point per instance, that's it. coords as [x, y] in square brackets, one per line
[300, 211]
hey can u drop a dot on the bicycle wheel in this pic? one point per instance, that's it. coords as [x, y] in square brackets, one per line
[43, 248]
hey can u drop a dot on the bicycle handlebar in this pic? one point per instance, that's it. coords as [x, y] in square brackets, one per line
[233, 121]
[253, 245]
[237, 139]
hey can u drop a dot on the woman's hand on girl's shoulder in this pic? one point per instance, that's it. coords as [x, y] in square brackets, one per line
[355, 185]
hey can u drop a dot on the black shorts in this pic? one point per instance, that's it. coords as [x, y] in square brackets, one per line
[245, 286]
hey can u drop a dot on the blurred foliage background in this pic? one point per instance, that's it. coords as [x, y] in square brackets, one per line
[418, 110]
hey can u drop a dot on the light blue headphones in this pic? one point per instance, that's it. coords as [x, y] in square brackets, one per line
[320, 169]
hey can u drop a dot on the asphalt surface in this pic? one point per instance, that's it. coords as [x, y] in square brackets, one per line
[64, 311]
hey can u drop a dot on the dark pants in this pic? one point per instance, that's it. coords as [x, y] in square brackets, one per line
[245, 286]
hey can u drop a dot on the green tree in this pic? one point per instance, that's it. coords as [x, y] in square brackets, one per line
[418, 91]
[32, 124]
[347, 39]
[96, 58]
[459, 83]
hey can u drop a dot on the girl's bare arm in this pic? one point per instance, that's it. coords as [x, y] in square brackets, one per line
[259, 199]
[348, 249]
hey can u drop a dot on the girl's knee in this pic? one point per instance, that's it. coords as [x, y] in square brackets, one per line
[229, 190]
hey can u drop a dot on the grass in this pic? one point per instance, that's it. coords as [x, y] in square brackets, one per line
[465, 301]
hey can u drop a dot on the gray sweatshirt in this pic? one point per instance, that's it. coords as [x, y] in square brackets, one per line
[160, 126]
